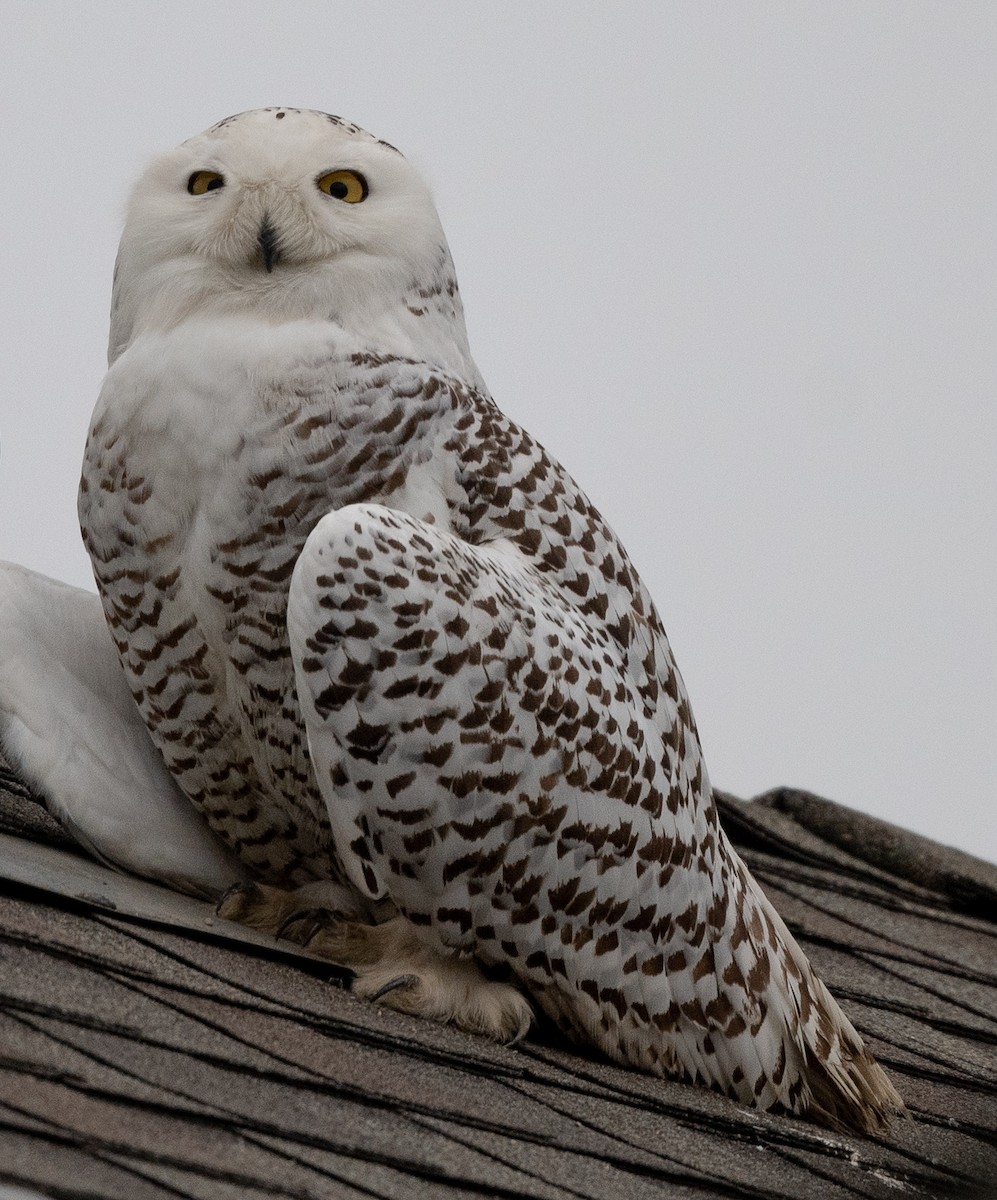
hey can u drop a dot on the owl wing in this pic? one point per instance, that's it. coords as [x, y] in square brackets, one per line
[68, 721]
[507, 751]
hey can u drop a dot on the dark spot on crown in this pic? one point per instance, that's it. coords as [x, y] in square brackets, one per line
[280, 116]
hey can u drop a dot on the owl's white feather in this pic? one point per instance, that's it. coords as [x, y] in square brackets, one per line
[382, 640]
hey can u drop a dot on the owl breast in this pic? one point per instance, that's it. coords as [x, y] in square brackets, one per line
[211, 457]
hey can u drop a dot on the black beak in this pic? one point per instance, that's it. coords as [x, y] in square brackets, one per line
[269, 245]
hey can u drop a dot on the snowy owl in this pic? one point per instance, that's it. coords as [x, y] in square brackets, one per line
[402, 676]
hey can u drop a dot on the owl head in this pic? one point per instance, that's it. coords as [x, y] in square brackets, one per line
[288, 214]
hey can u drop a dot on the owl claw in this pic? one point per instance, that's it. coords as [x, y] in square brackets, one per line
[397, 982]
[318, 916]
[525, 1023]
[235, 899]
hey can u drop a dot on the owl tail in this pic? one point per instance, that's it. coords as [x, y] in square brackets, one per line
[787, 1044]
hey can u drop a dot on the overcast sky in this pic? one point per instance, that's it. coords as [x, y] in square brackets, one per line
[734, 264]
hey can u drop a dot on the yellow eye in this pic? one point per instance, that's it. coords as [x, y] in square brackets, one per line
[204, 181]
[343, 185]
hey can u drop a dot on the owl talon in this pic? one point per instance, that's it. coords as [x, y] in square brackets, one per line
[525, 1024]
[318, 916]
[397, 982]
[238, 898]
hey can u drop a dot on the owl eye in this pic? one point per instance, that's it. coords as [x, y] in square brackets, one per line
[205, 181]
[343, 185]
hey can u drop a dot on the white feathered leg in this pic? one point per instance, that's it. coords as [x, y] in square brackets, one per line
[68, 722]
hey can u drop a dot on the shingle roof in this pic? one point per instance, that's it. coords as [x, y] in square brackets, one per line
[148, 1051]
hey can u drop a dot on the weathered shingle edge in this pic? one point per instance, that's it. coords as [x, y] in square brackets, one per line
[52, 871]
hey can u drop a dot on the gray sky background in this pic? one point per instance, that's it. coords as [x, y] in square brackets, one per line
[734, 264]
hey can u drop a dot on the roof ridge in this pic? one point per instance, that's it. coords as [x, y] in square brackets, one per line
[968, 883]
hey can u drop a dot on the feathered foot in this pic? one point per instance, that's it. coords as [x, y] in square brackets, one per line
[392, 965]
[281, 911]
